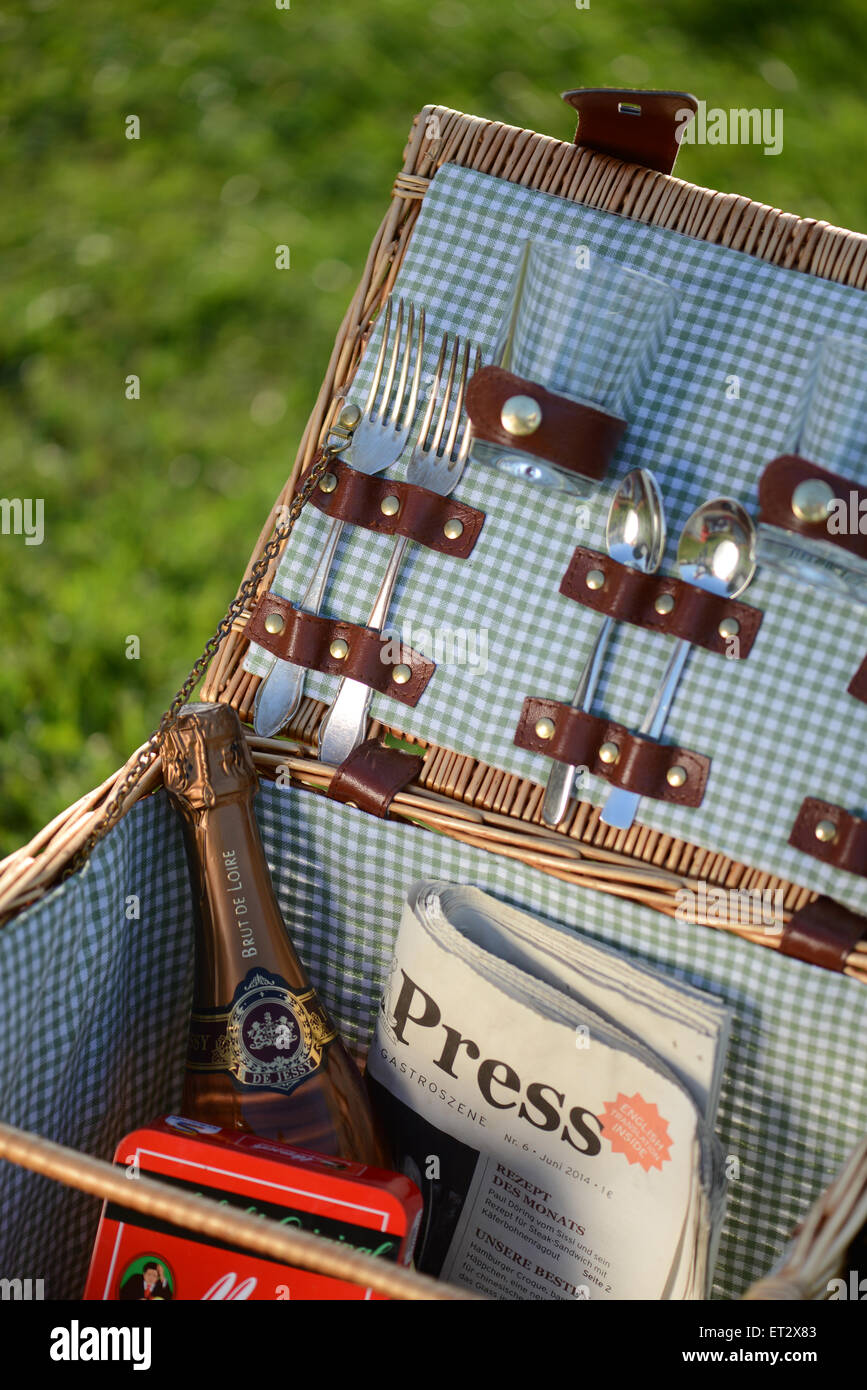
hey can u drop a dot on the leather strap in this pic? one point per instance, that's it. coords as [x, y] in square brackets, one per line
[642, 765]
[306, 639]
[576, 437]
[631, 597]
[847, 850]
[421, 515]
[638, 127]
[776, 490]
[823, 933]
[858, 684]
[372, 775]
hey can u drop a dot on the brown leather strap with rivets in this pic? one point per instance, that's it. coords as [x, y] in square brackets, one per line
[661, 604]
[638, 127]
[823, 933]
[783, 495]
[831, 834]
[372, 775]
[316, 643]
[858, 684]
[577, 437]
[398, 509]
[585, 740]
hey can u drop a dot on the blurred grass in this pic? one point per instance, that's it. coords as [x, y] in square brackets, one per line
[156, 257]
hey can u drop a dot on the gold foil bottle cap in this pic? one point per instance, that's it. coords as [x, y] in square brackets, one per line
[205, 758]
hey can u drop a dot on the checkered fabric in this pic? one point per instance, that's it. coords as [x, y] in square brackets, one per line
[727, 394]
[97, 1006]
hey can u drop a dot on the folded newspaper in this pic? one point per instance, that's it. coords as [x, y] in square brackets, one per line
[555, 1103]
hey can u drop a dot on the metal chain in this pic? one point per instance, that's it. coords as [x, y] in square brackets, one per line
[114, 808]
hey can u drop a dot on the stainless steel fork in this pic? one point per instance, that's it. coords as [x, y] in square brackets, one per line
[438, 467]
[377, 442]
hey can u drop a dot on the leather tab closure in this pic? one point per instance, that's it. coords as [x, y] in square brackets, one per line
[661, 604]
[858, 684]
[638, 127]
[398, 509]
[785, 501]
[372, 775]
[585, 740]
[823, 933]
[576, 437]
[339, 649]
[831, 834]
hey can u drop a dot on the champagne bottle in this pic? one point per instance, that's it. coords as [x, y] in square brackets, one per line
[264, 1055]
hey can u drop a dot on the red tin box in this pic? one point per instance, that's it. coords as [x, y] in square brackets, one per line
[141, 1259]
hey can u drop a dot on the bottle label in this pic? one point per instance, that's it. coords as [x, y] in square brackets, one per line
[269, 1037]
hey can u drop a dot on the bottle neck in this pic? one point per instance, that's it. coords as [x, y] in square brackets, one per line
[240, 925]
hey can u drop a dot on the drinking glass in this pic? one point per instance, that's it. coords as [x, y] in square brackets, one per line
[833, 429]
[585, 328]
[830, 430]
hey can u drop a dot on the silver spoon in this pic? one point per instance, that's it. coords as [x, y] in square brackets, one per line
[717, 552]
[634, 536]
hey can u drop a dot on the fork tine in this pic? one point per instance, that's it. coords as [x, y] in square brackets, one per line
[409, 414]
[377, 371]
[447, 395]
[404, 368]
[392, 366]
[468, 428]
[459, 403]
[434, 393]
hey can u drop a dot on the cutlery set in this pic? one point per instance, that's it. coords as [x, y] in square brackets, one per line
[716, 552]
[437, 462]
[378, 440]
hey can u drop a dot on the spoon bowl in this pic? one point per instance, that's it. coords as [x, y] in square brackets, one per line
[635, 532]
[717, 548]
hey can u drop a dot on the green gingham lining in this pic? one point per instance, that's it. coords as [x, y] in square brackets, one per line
[779, 726]
[97, 1009]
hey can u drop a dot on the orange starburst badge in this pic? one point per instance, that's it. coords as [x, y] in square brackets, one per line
[636, 1129]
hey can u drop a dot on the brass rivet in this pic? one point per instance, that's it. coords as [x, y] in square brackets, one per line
[453, 528]
[401, 674]
[389, 506]
[676, 776]
[729, 627]
[595, 579]
[327, 483]
[609, 753]
[339, 648]
[826, 831]
[353, 805]
[275, 622]
[545, 728]
[521, 415]
[664, 604]
[349, 417]
[811, 500]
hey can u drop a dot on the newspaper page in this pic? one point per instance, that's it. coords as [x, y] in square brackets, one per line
[559, 1158]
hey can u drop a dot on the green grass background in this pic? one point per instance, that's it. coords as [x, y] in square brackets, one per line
[156, 257]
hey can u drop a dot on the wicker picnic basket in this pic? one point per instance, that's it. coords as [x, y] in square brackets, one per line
[456, 795]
